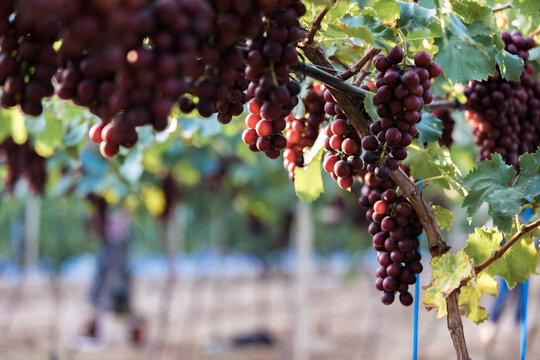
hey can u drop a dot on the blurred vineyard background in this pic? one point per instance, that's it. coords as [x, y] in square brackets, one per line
[222, 260]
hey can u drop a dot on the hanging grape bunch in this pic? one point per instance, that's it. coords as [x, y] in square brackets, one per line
[342, 159]
[506, 114]
[395, 228]
[23, 162]
[402, 91]
[273, 93]
[448, 123]
[302, 132]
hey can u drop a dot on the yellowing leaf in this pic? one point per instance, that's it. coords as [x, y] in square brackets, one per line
[447, 272]
[487, 284]
[469, 298]
[308, 182]
[443, 217]
[514, 266]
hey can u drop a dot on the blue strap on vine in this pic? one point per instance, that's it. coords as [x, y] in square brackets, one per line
[524, 300]
[416, 302]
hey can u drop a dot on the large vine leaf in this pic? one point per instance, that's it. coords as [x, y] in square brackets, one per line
[355, 26]
[474, 45]
[527, 7]
[490, 182]
[514, 266]
[413, 17]
[471, 11]
[434, 162]
[447, 273]
[386, 10]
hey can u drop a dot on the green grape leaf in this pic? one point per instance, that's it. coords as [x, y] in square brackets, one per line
[308, 183]
[386, 10]
[12, 124]
[447, 272]
[528, 180]
[434, 163]
[381, 36]
[469, 298]
[514, 266]
[413, 17]
[430, 128]
[443, 217]
[471, 11]
[475, 47]
[511, 66]
[527, 7]
[490, 182]
[370, 108]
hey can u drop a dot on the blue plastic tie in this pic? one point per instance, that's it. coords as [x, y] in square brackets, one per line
[416, 302]
[524, 300]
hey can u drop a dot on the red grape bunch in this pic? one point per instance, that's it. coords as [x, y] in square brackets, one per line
[395, 228]
[273, 93]
[28, 30]
[401, 94]
[302, 132]
[343, 145]
[506, 114]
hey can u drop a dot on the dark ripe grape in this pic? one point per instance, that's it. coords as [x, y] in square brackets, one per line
[374, 128]
[370, 157]
[422, 59]
[384, 94]
[393, 136]
[403, 287]
[407, 276]
[417, 90]
[396, 106]
[345, 182]
[405, 245]
[383, 110]
[387, 298]
[279, 141]
[403, 209]
[377, 218]
[364, 202]
[387, 122]
[382, 172]
[411, 117]
[416, 267]
[390, 283]
[410, 79]
[406, 140]
[378, 284]
[405, 298]
[400, 153]
[392, 164]
[380, 207]
[381, 62]
[381, 272]
[413, 103]
[335, 142]
[401, 220]
[263, 144]
[413, 130]
[391, 77]
[388, 224]
[397, 256]
[342, 168]
[401, 91]
[373, 228]
[397, 233]
[427, 97]
[389, 196]
[356, 164]
[393, 270]
[434, 70]
[389, 244]
[370, 143]
[395, 55]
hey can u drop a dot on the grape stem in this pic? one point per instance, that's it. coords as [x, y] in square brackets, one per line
[430, 179]
[316, 25]
[353, 70]
[405, 51]
[349, 99]
[365, 71]
[501, 7]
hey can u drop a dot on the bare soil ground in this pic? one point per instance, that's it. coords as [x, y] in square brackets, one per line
[348, 322]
